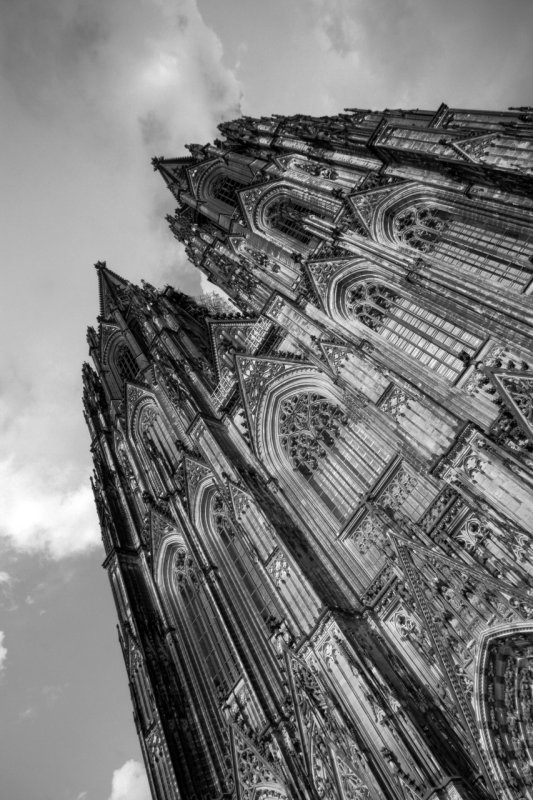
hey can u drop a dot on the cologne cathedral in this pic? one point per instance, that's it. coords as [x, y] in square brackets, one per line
[316, 497]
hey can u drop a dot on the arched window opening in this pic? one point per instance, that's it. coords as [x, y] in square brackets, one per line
[499, 255]
[157, 441]
[428, 337]
[225, 188]
[287, 216]
[142, 691]
[239, 556]
[309, 425]
[506, 670]
[126, 364]
[337, 456]
[136, 329]
[203, 626]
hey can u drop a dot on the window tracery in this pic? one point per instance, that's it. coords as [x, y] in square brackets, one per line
[280, 570]
[428, 337]
[420, 227]
[496, 253]
[245, 568]
[224, 188]
[157, 442]
[309, 425]
[208, 640]
[287, 215]
[336, 455]
[506, 672]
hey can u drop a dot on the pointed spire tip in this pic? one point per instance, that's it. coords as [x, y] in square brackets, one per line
[100, 265]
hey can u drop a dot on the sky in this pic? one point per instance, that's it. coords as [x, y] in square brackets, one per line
[90, 90]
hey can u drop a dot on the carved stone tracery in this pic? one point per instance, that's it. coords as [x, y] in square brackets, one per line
[308, 426]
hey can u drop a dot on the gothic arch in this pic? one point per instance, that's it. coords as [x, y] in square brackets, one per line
[367, 296]
[217, 183]
[183, 590]
[333, 492]
[502, 691]
[139, 401]
[118, 357]
[228, 548]
[110, 337]
[162, 567]
[479, 241]
[151, 433]
[259, 202]
[200, 174]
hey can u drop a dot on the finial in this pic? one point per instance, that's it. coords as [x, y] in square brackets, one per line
[100, 265]
[156, 161]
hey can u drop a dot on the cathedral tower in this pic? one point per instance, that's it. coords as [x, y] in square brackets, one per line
[316, 501]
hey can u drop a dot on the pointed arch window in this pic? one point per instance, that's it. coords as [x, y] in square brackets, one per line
[287, 216]
[309, 425]
[158, 443]
[482, 248]
[246, 570]
[439, 344]
[225, 188]
[203, 626]
[126, 364]
[338, 456]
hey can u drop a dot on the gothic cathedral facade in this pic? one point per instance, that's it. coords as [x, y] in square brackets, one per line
[316, 500]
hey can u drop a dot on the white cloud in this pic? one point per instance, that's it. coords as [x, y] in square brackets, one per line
[104, 86]
[131, 65]
[39, 514]
[3, 651]
[130, 782]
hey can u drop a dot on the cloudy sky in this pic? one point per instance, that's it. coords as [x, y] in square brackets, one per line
[90, 90]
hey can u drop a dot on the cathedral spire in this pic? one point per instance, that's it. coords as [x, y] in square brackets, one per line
[114, 291]
[317, 516]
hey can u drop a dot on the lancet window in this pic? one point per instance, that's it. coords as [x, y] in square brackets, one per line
[246, 570]
[224, 188]
[439, 344]
[287, 216]
[501, 255]
[338, 456]
[157, 441]
[126, 364]
[141, 689]
[204, 628]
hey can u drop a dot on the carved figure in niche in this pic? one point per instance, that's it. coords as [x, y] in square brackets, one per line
[309, 425]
